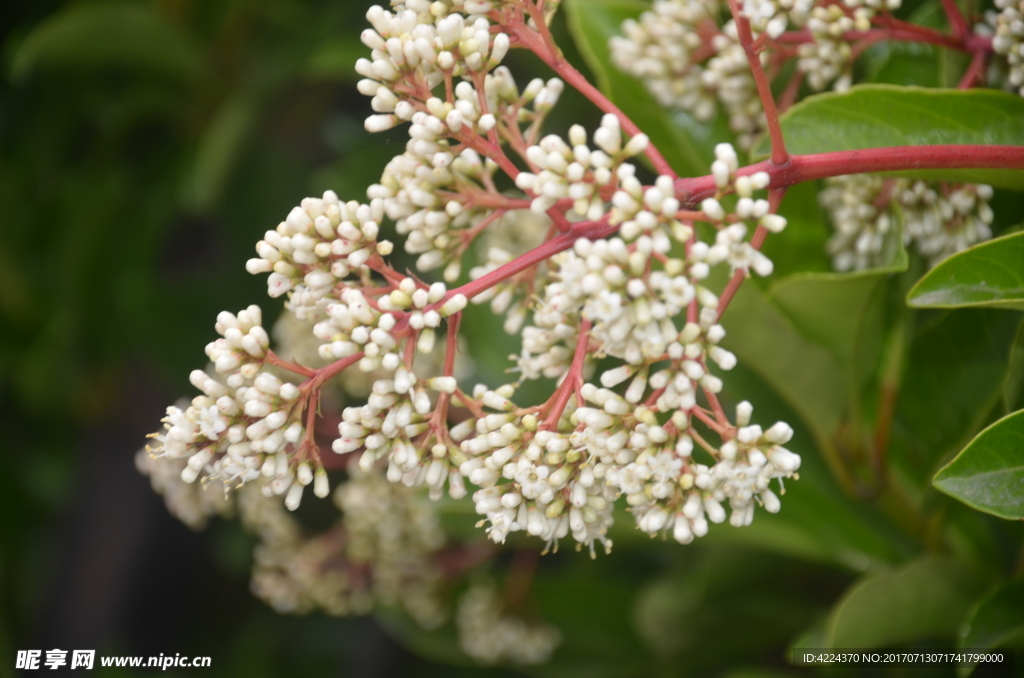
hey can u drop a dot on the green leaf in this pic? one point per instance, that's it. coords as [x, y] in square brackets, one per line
[998, 619]
[680, 615]
[988, 274]
[1013, 389]
[954, 376]
[800, 248]
[818, 521]
[989, 473]
[223, 140]
[926, 598]
[808, 376]
[686, 144]
[802, 334]
[96, 35]
[876, 116]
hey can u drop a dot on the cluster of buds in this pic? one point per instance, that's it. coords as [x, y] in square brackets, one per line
[576, 171]
[668, 490]
[550, 491]
[238, 430]
[938, 220]
[437, 196]
[488, 634]
[416, 50]
[396, 425]
[321, 242]
[690, 58]
[439, 199]
[559, 476]
[689, 55]
[1006, 26]
[731, 245]
[553, 471]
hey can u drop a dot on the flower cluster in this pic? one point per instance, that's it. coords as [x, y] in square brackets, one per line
[688, 52]
[938, 221]
[321, 242]
[648, 428]
[555, 472]
[397, 424]
[393, 532]
[440, 198]
[1007, 24]
[191, 503]
[489, 635]
[691, 59]
[574, 170]
[244, 426]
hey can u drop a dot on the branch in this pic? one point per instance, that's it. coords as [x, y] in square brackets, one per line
[956, 18]
[764, 89]
[802, 168]
[798, 168]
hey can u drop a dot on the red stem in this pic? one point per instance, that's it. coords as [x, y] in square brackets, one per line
[798, 168]
[974, 71]
[956, 18]
[276, 360]
[585, 229]
[764, 89]
[568, 385]
[802, 168]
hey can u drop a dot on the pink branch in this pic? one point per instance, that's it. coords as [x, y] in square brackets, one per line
[802, 168]
[974, 71]
[902, 32]
[585, 229]
[798, 168]
[956, 18]
[764, 89]
[572, 378]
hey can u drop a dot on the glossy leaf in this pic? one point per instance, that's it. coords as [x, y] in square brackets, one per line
[1013, 388]
[989, 473]
[685, 143]
[813, 321]
[988, 274]
[680, 615]
[876, 116]
[800, 248]
[805, 373]
[127, 35]
[954, 376]
[927, 598]
[998, 619]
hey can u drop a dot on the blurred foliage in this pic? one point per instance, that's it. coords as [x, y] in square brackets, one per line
[146, 146]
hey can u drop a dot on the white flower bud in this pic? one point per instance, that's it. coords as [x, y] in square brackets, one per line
[453, 305]
[294, 497]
